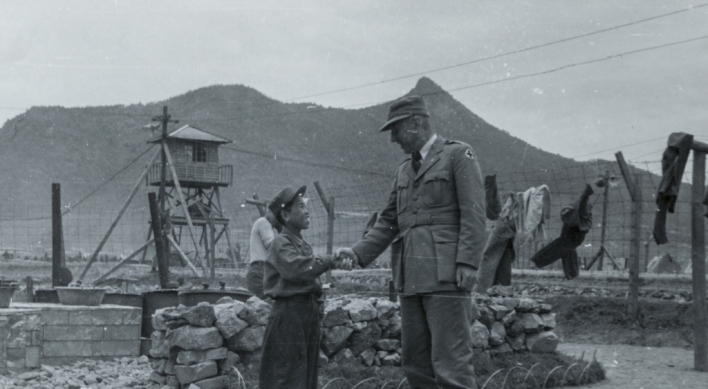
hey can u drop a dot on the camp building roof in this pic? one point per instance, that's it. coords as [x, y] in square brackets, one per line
[188, 132]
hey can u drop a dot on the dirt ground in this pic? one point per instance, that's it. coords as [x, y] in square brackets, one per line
[642, 367]
[654, 352]
[651, 353]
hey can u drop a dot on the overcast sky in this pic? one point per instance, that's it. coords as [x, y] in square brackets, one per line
[84, 53]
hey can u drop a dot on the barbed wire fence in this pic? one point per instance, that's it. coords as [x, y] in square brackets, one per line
[25, 230]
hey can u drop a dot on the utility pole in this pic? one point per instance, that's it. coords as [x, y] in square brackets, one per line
[164, 119]
[162, 195]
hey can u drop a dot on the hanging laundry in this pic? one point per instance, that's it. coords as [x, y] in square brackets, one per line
[536, 204]
[673, 163]
[492, 197]
[499, 253]
[522, 217]
[577, 221]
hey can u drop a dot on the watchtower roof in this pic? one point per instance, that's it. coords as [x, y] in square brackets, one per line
[188, 132]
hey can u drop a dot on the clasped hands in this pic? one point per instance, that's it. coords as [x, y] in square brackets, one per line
[345, 258]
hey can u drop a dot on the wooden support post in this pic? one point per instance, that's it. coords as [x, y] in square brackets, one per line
[635, 250]
[57, 234]
[698, 263]
[329, 207]
[183, 256]
[145, 250]
[634, 186]
[604, 219]
[122, 262]
[162, 264]
[226, 226]
[260, 204]
[30, 288]
[178, 187]
[212, 243]
[120, 214]
[261, 207]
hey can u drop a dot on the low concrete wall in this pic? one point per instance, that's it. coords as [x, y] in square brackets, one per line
[55, 334]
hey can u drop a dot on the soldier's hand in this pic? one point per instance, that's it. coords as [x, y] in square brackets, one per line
[466, 277]
[346, 252]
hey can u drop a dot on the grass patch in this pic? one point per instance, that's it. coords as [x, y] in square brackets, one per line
[518, 371]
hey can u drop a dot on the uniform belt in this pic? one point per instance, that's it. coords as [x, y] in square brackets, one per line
[427, 219]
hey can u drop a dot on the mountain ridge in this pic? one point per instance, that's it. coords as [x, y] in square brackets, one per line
[82, 147]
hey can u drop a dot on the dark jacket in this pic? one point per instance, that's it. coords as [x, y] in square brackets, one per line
[673, 163]
[434, 219]
[292, 269]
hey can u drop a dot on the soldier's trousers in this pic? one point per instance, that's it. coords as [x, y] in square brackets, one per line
[436, 340]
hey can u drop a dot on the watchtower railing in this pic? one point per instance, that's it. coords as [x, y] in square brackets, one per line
[193, 174]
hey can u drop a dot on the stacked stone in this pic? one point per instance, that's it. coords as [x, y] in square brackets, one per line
[503, 325]
[199, 346]
[363, 330]
[367, 331]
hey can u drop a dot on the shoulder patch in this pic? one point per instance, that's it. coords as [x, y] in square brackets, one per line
[469, 154]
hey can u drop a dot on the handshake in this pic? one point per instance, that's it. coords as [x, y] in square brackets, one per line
[345, 259]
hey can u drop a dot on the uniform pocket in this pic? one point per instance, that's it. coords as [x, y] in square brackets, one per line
[402, 189]
[446, 241]
[397, 262]
[438, 189]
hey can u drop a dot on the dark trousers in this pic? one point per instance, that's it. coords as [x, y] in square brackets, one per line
[562, 248]
[254, 279]
[436, 340]
[291, 345]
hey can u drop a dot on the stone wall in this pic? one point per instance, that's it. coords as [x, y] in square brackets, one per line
[200, 345]
[56, 334]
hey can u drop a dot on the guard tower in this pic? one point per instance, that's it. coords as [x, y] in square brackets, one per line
[193, 199]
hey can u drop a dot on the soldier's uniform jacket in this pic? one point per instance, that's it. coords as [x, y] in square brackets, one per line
[433, 220]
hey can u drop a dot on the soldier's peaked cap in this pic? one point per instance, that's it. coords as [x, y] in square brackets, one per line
[285, 197]
[404, 108]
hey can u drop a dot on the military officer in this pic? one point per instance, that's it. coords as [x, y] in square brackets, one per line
[435, 223]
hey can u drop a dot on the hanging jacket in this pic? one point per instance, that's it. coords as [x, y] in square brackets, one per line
[492, 197]
[577, 221]
[499, 253]
[536, 205]
[673, 163]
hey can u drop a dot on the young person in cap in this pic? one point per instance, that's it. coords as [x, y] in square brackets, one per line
[292, 279]
[264, 230]
[435, 223]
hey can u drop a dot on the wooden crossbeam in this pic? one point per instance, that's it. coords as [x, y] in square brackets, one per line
[120, 214]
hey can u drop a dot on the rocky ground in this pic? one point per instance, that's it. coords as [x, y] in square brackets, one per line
[118, 373]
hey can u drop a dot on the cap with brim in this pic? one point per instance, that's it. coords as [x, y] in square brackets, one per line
[404, 108]
[285, 197]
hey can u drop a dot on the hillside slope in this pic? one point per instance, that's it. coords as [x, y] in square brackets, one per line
[82, 147]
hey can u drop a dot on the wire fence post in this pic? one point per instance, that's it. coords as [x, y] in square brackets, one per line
[57, 234]
[634, 186]
[329, 206]
[698, 260]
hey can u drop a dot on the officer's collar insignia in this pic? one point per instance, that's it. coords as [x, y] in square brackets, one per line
[469, 154]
